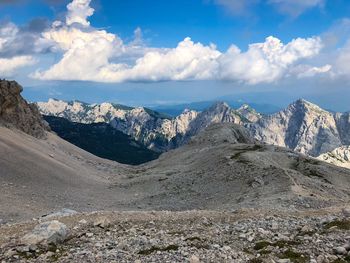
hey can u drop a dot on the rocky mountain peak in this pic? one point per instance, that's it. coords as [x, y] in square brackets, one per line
[304, 105]
[16, 113]
[219, 107]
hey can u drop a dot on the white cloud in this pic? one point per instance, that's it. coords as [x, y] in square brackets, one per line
[307, 71]
[266, 62]
[8, 66]
[295, 7]
[78, 12]
[96, 55]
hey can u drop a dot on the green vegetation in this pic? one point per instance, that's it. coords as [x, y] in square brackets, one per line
[255, 260]
[295, 257]
[154, 249]
[262, 244]
[340, 224]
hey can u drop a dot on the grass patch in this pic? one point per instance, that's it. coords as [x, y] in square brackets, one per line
[155, 249]
[255, 260]
[284, 243]
[343, 224]
[280, 243]
[193, 239]
[295, 257]
[261, 245]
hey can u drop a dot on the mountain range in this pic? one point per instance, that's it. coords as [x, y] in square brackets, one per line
[220, 167]
[303, 126]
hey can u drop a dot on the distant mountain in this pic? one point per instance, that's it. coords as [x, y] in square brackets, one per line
[102, 140]
[304, 127]
[175, 110]
[154, 130]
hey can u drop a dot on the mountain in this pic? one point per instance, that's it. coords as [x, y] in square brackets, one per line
[154, 130]
[339, 156]
[249, 113]
[304, 127]
[177, 109]
[102, 140]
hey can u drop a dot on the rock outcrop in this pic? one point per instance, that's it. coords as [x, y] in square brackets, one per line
[339, 156]
[15, 112]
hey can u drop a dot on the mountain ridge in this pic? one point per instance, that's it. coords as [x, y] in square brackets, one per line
[302, 126]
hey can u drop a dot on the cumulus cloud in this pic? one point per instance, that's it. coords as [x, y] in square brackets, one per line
[8, 66]
[78, 12]
[266, 62]
[90, 54]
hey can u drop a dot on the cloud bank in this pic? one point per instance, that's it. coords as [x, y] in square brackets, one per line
[89, 54]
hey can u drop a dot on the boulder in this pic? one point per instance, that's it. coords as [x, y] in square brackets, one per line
[50, 232]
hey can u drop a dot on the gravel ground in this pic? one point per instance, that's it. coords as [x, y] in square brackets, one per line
[193, 236]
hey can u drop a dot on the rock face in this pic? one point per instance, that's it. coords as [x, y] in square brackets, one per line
[51, 232]
[339, 156]
[15, 112]
[304, 127]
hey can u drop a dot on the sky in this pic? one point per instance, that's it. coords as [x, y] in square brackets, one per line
[142, 52]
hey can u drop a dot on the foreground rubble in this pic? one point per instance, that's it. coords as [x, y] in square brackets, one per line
[194, 236]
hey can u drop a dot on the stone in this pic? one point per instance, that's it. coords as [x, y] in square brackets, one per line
[346, 211]
[194, 259]
[102, 222]
[50, 232]
[340, 251]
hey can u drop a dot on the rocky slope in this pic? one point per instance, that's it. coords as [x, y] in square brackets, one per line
[304, 127]
[339, 156]
[243, 236]
[15, 112]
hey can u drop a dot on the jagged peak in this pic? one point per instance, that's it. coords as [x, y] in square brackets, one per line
[219, 105]
[304, 104]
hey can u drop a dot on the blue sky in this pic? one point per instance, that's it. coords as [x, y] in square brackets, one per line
[143, 52]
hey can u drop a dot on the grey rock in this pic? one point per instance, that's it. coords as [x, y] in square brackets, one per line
[51, 232]
[15, 112]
